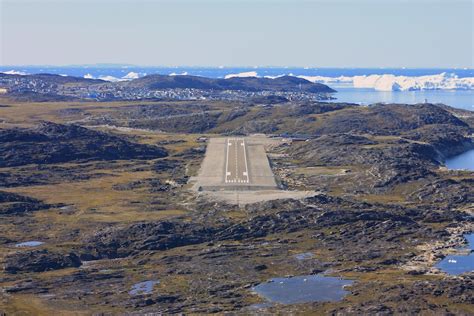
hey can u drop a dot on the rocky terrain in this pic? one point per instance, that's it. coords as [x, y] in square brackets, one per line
[54, 143]
[104, 187]
[16, 204]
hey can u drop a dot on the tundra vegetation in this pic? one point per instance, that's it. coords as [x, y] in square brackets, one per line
[104, 186]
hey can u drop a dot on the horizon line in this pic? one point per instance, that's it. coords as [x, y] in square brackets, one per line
[112, 65]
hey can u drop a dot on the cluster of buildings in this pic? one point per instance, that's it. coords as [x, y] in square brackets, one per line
[105, 91]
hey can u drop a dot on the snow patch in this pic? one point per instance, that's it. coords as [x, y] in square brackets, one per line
[242, 75]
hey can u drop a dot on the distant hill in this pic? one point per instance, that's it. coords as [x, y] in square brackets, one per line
[159, 82]
[285, 83]
[48, 87]
[51, 79]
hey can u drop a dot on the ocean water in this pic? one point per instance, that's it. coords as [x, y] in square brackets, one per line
[463, 99]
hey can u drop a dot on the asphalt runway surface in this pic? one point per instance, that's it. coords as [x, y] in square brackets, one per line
[236, 170]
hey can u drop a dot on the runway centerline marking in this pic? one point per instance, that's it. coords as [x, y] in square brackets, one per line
[236, 166]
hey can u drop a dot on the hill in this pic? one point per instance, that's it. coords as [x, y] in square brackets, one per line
[285, 83]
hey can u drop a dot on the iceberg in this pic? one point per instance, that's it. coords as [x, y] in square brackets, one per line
[389, 82]
[106, 78]
[109, 78]
[242, 75]
[15, 72]
[131, 75]
[442, 81]
[185, 73]
[328, 80]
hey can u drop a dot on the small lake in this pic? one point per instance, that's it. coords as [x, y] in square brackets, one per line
[32, 243]
[458, 264]
[304, 256]
[464, 161]
[145, 287]
[303, 289]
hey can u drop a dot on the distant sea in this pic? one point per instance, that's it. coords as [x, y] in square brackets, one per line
[337, 78]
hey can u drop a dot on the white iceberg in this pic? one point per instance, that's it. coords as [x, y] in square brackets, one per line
[442, 81]
[185, 73]
[106, 78]
[389, 82]
[131, 75]
[242, 75]
[15, 72]
[110, 78]
[328, 80]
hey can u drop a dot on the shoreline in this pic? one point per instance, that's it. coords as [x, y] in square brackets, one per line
[433, 253]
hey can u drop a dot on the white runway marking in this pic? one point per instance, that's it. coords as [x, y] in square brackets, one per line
[236, 168]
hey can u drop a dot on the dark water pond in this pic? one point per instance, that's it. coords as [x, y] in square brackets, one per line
[458, 264]
[463, 161]
[32, 243]
[303, 289]
[145, 287]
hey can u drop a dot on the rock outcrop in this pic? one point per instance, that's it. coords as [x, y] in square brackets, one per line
[39, 261]
[56, 143]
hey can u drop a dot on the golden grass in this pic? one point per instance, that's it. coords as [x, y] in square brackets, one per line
[97, 201]
[320, 171]
[21, 304]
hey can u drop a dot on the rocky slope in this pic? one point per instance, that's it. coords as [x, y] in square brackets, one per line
[16, 204]
[39, 261]
[55, 143]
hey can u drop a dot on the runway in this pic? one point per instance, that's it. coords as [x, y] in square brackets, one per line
[236, 170]
[235, 163]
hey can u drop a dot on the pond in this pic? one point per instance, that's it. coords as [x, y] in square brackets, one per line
[458, 264]
[463, 161]
[303, 289]
[32, 243]
[145, 287]
[304, 256]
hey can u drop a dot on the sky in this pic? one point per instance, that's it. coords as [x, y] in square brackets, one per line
[302, 33]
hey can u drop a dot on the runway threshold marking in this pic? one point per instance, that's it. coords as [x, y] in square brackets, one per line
[233, 174]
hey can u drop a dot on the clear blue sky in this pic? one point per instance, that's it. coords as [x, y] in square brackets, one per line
[332, 33]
